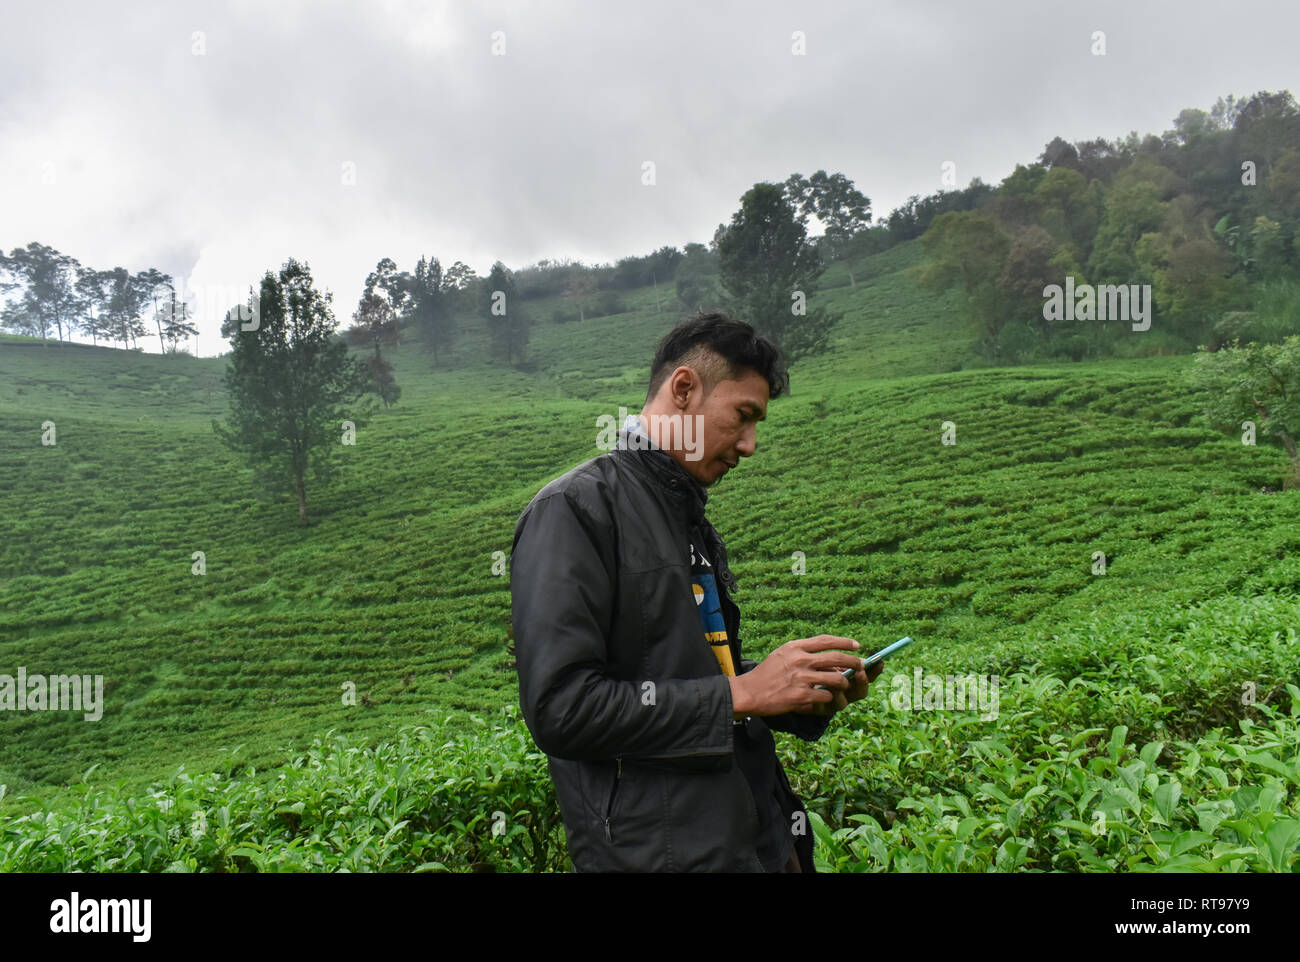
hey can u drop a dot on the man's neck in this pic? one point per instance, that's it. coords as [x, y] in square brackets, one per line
[636, 424]
[648, 417]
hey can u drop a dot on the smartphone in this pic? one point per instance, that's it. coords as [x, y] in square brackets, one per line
[887, 651]
[872, 659]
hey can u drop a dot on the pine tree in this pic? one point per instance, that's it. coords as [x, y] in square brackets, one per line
[291, 384]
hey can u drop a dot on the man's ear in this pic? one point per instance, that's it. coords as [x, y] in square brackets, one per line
[697, 385]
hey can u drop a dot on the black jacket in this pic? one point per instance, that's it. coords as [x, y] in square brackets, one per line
[620, 689]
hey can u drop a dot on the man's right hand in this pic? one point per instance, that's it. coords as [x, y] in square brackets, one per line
[787, 679]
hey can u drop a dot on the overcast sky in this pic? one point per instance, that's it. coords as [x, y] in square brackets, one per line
[214, 140]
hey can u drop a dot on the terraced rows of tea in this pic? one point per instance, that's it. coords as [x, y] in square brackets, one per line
[854, 518]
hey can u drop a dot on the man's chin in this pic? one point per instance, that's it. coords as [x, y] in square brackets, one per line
[711, 475]
[706, 481]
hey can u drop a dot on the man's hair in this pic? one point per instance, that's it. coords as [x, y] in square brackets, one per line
[721, 348]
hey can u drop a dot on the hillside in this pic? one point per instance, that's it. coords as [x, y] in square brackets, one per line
[982, 550]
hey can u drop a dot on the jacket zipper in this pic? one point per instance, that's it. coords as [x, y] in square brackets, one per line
[609, 806]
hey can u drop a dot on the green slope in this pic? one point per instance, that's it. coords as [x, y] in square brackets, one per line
[978, 549]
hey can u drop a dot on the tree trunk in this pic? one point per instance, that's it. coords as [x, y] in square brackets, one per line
[1288, 442]
[301, 490]
[158, 324]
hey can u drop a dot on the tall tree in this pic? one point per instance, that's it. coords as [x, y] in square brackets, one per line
[374, 325]
[696, 284]
[1059, 153]
[1193, 289]
[1069, 209]
[432, 296]
[770, 271]
[841, 208]
[968, 250]
[392, 283]
[291, 384]
[506, 321]
[49, 296]
[458, 277]
[176, 325]
[1031, 264]
[124, 303]
[7, 281]
[154, 285]
[92, 300]
[459, 288]
[1267, 125]
[12, 316]
[1132, 210]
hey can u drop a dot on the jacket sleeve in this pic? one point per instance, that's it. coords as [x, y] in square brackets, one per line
[808, 727]
[563, 582]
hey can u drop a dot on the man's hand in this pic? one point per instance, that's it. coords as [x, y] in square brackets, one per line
[857, 690]
[786, 680]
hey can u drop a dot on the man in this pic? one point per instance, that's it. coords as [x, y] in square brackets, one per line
[631, 677]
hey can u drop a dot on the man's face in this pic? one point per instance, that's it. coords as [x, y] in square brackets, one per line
[727, 420]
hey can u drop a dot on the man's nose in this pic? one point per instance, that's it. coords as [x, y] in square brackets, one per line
[748, 443]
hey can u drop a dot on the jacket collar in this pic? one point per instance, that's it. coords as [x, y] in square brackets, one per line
[676, 482]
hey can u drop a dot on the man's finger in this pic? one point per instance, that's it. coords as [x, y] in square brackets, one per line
[819, 699]
[833, 661]
[831, 679]
[826, 642]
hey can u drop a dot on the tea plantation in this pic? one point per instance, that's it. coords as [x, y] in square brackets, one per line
[1129, 575]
